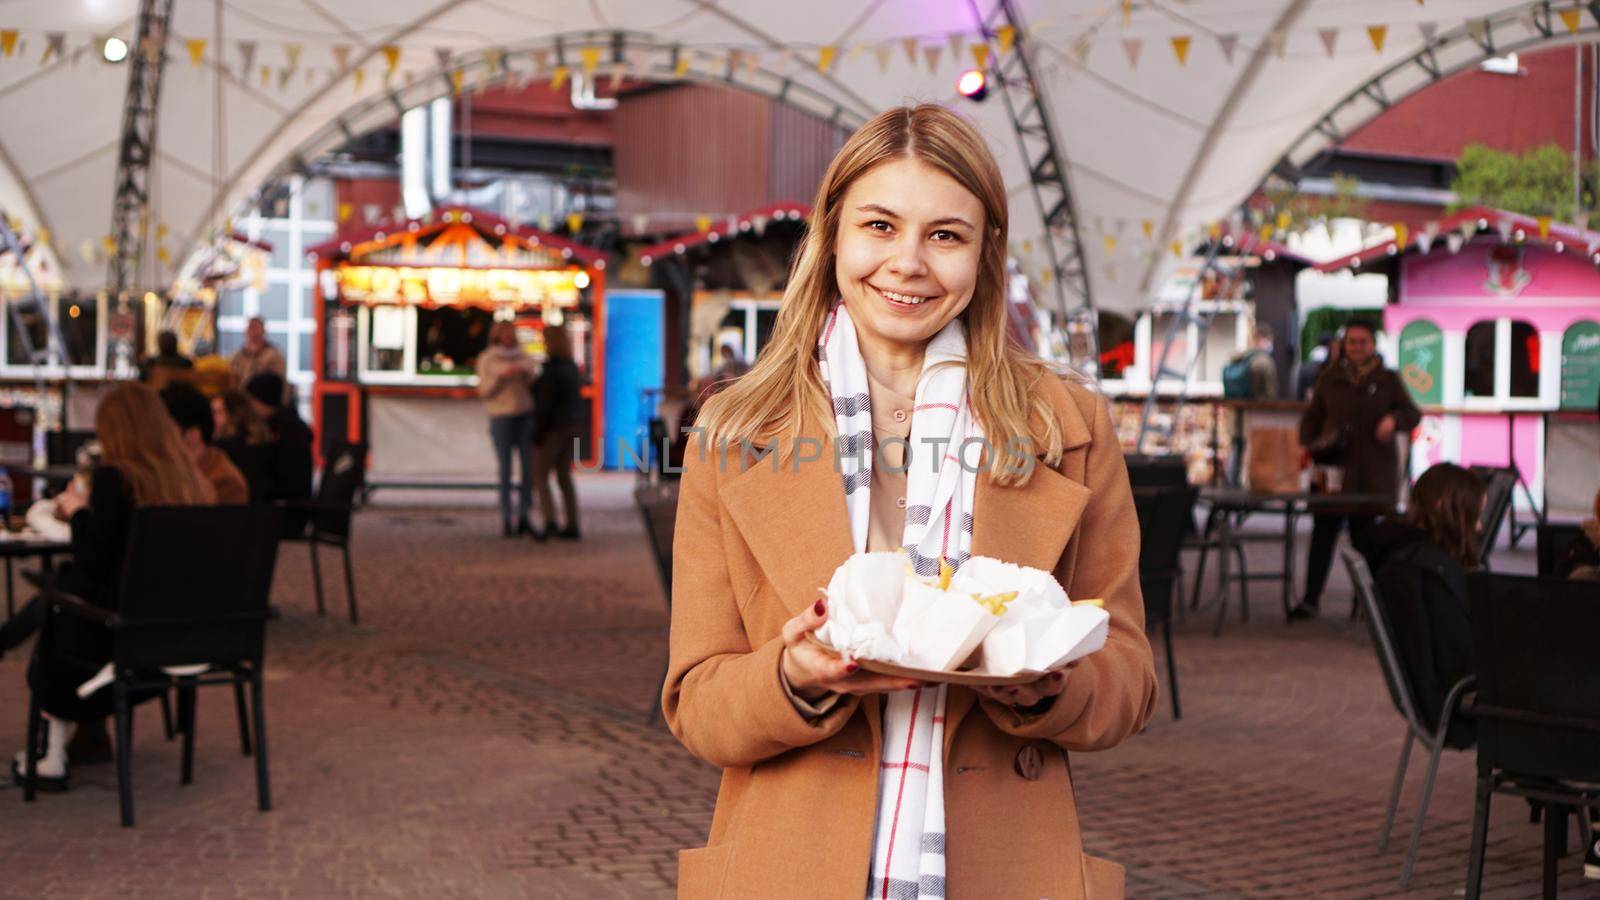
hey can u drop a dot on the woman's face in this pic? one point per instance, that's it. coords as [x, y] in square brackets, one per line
[907, 252]
[219, 415]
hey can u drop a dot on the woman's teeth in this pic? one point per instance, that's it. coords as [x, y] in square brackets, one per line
[908, 299]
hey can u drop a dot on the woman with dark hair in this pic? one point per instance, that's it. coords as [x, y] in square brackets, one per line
[143, 463]
[245, 437]
[1420, 561]
[558, 398]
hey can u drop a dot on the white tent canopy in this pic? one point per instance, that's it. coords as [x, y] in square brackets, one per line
[1169, 113]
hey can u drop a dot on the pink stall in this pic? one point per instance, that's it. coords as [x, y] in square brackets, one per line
[1494, 324]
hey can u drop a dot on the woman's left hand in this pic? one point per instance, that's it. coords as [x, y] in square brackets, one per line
[1048, 685]
[70, 501]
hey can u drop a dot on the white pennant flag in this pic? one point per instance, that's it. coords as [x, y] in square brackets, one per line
[247, 57]
[1229, 44]
[1428, 30]
[1454, 241]
[1132, 47]
[1330, 39]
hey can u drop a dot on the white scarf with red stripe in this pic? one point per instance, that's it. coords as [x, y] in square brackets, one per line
[908, 859]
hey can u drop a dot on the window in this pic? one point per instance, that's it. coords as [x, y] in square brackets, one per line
[449, 339]
[1501, 360]
[1116, 344]
[275, 302]
[79, 318]
[1478, 379]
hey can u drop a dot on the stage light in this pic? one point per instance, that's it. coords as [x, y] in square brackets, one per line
[115, 50]
[973, 85]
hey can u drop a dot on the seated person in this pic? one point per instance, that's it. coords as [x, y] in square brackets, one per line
[167, 356]
[192, 414]
[241, 433]
[1420, 563]
[143, 461]
[291, 439]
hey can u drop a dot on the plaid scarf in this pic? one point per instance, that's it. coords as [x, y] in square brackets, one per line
[908, 844]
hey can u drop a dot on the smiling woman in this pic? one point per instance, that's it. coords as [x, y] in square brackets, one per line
[890, 343]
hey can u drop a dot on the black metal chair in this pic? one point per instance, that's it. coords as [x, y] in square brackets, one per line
[1404, 695]
[658, 506]
[1553, 541]
[193, 593]
[1538, 705]
[1164, 515]
[1499, 482]
[328, 517]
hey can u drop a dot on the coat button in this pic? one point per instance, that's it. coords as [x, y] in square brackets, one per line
[899, 415]
[1030, 764]
[900, 503]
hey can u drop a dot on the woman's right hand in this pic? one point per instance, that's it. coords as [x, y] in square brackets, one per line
[814, 671]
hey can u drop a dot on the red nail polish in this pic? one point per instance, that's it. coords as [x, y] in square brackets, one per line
[820, 608]
[851, 667]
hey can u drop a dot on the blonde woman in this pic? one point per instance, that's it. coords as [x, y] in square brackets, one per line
[143, 462]
[505, 382]
[837, 782]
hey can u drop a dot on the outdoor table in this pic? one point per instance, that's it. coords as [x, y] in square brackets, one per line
[1227, 503]
[20, 546]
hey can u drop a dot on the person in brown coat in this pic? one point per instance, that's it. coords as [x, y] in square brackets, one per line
[1363, 406]
[909, 228]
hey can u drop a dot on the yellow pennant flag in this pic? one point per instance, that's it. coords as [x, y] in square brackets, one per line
[1284, 220]
[345, 211]
[1265, 232]
[360, 78]
[591, 59]
[43, 235]
[1148, 227]
[1127, 12]
[197, 49]
[825, 56]
[1111, 243]
[391, 58]
[1572, 18]
[266, 75]
[109, 244]
[164, 255]
[1377, 34]
[1007, 36]
[457, 78]
[559, 77]
[1045, 276]
[574, 222]
[681, 67]
[1544, 228]
[702, 224]
[909, 45]
[1177, 248]
[980, 55]
[1214, 230]
[1180, 48]
[883, 52]
[8, 41]
[161, 231]
[1401, 233]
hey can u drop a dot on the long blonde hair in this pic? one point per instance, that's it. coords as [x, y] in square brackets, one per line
[770, 402]
[139, 439]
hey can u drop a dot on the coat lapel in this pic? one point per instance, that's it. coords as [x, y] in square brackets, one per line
[793, 519]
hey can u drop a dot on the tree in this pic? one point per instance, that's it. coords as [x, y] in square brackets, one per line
[1535, 183]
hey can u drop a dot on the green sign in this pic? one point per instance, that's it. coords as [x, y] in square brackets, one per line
[1580, 366]
[1422, 362]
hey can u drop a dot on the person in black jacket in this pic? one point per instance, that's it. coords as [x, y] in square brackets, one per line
[558, 398]
[143, 462]
[1420, 563]
[290, 460]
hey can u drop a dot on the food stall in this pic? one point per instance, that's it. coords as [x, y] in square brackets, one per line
[404, 309]
[1497, 336]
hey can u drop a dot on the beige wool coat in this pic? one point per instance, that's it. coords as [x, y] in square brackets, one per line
[797, 805]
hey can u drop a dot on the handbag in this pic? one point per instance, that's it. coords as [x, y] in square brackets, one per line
[1330, 447]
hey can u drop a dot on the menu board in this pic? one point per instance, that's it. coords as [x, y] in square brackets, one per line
[1422, 362]
[1580, 366]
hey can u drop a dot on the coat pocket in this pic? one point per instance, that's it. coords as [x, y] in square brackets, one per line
[1103, 878]
[701, 872]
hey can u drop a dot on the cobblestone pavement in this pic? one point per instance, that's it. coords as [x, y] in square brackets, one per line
[482, 733]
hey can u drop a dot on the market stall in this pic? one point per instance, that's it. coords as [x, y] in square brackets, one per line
[403, 311]
[1497, 335]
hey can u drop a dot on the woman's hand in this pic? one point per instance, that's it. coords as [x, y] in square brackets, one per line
[813, 671]
[1386, 428]
[1047, 685]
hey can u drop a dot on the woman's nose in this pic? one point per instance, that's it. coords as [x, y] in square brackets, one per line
[906, 258]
